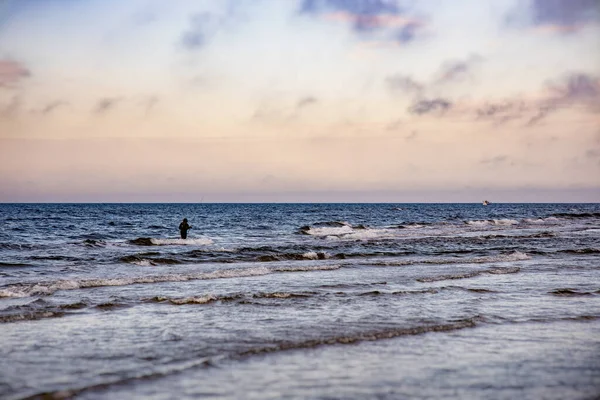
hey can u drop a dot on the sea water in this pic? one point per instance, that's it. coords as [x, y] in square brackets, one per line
[324, 301]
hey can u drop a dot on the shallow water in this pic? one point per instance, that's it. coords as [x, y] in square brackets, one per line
[300, 301]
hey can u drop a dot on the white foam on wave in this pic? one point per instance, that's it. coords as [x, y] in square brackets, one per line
[506, 221]
[330, 231]
[143, 263]
[549, 220]
[484, 222]
[313, 255]
[194, 241]
[479, 222]
[47, 288]
[516, 256]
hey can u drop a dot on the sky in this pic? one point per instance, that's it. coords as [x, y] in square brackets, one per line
[299, 101]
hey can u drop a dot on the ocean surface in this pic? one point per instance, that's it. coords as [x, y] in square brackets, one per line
[298, 301]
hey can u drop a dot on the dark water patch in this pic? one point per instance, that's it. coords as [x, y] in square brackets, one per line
[581, 251]
[144, 241]
[94, 243]
[332, 224]
[14, 264]
[371, 293]
[478, 290]
[577, 215]
[449, 277]
[472, 274]
[55, 258]
[539, 235]
[566, 292]
[94, 236]
[158, 227]
[111, 305]
[18, 246]
[351, 285]
[136, 259]
[149, 253]
[74, 306]
[409, 292]
[293, 256]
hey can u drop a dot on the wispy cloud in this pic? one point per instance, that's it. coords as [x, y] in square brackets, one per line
[50, 107]
[201, 27]
[106, 104]
[436, 106]
[456, 71]
[306, 101]
[10, 109]
[11, 73]
[404, 84]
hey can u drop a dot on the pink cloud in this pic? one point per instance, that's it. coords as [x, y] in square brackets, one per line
[11, 72]
[373, 21]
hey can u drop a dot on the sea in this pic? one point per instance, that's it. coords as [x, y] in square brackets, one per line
[300, 301]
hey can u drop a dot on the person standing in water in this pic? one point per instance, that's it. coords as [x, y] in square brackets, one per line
[184, 228]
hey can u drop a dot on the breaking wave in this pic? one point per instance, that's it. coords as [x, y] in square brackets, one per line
[471, 274]
[166, 242]
[47, 288]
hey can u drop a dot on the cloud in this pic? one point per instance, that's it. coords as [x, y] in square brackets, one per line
[575, 89]
[554, 16]
[11, 73]
[106, 104]
[50, 107]
[456, 71]
[202, 26]
[387, 18]
[436, 105]
[356, 7]
[501, 111]
[306, 101]
[564, 12]
[403, 83]
[572, 90]
[408, 33]
[148, 103]
[11, 108]
[494, 161]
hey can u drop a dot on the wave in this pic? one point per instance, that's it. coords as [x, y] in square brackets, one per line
[472, 274]
[309, 255]
[581, 251]
[144, 241]
[362, 337]
[572, 292]
[516, 256]
[351, 285]
[13, 264]
[210, 298]
[35, 310]
[205, 362]
[485, 222]
[47, 288]
[138, 260]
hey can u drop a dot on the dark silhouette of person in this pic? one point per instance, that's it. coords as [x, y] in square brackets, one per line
[184, 228]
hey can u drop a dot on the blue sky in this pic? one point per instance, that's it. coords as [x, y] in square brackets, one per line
[322, 100]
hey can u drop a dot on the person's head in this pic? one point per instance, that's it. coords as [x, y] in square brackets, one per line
[185, 220]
